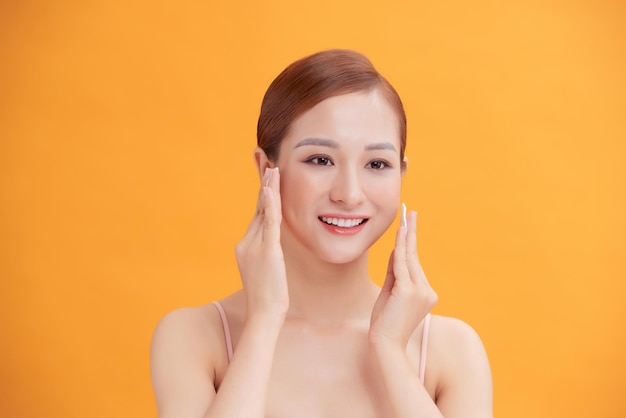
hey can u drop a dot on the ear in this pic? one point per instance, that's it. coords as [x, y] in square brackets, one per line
[261, 161]
[405, 164]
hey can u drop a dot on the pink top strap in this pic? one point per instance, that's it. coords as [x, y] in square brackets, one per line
[424, 349]
[229, 341]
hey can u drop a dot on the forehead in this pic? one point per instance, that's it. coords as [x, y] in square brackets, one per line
[354, 118]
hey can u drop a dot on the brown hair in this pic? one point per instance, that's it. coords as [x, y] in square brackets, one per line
[312, 79]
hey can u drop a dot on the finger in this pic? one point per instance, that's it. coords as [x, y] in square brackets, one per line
[274, 184]
[266, 207]
[259, 204]
[413, 263]
[264, 183]
[272, 216]
[253, 230]
[271, 220]
[257, 220]
[411, 239]
[400, 269]
[389, 278]
[415, 267]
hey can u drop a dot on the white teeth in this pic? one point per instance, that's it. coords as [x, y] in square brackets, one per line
[342, 222]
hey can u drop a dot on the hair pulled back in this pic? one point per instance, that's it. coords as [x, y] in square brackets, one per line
[312, 79]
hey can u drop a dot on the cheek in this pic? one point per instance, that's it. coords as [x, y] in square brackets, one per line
[389, 202]
[386, 191]
[295, 189]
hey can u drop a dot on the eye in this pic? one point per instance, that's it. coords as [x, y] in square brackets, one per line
[320, 160]
[377, 165]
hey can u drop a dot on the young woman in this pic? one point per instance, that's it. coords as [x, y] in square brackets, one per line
[310, 334]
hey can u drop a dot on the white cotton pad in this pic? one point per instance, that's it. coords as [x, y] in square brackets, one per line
[403, 214]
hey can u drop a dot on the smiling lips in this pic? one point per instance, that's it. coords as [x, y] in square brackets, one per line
[343, 226]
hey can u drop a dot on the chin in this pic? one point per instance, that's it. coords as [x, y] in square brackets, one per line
[342, 257]
[343, 250]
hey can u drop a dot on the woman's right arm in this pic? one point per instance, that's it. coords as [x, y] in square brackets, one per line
[183, 386]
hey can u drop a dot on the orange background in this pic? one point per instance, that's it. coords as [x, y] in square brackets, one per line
[126, 178]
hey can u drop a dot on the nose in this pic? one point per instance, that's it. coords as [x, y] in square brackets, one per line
[347, 188]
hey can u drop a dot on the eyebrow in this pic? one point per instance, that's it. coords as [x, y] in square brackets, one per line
[323, 142]
[319, 142]
[381, 145]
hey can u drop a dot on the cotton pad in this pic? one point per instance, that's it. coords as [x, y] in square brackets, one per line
[403, 214]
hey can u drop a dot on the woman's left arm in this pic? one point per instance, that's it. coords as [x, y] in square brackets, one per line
[407, 395]
[465, 385]
[404, 301]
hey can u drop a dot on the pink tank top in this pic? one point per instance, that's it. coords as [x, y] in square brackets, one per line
[423, 350]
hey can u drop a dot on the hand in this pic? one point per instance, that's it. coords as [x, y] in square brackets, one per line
[406, 296]
[260, 256]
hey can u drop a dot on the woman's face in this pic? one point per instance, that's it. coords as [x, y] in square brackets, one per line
[341, 175]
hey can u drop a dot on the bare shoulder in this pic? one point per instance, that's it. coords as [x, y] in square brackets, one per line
[187, 329]
[464, 383]
[455, 343]
[455, 335]
[186, 350]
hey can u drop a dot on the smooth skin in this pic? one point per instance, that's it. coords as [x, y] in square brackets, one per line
[313, 335]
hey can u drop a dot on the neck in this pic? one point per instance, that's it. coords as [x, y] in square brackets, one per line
[328, 293]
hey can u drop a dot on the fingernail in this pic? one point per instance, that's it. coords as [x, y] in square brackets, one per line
[403, 222]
